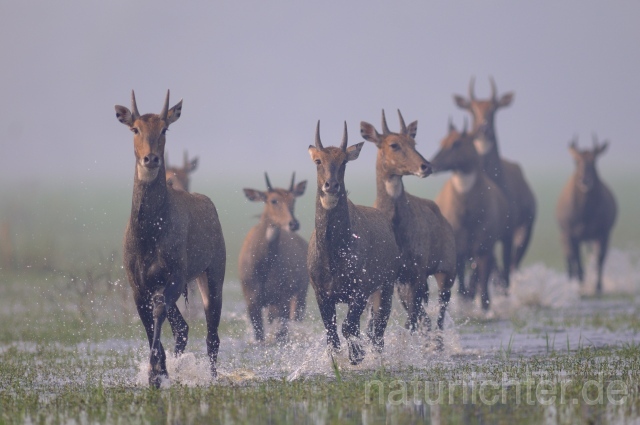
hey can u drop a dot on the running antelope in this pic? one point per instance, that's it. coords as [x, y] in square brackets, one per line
[178, 178]
[507, 175]
[423, 235]
[476, 208]
[172, 238]
[352, 251]
[272, 264]
[586, 211]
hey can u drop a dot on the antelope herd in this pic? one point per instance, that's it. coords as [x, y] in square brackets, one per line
[356, 255]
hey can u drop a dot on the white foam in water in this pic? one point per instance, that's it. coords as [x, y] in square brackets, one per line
[243, 360]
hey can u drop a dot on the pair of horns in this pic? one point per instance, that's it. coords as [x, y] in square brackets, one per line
[494, 90]
[385, 127]
[136, 114]
[343, 145]
[270, 188]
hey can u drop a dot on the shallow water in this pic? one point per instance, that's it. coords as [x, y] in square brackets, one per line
[543, 315]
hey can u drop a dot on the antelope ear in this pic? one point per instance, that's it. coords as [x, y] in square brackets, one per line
[573, 149]
[369, 133]
[193, 165]
[174, 113]
[412, 129]
[255, 195]
[353, 152]
[461, 102]
[312, 151]
[506, 99]
[300, 188]
[123, 115]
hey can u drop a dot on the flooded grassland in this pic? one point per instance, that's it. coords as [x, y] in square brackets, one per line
[72, 349]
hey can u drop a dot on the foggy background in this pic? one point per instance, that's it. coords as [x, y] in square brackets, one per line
[256, 76]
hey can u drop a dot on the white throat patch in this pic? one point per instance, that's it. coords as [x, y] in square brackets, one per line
[393, 186]
[272, 233]
[329, 201]
[147, 174]
[462, 183]
[482, 146]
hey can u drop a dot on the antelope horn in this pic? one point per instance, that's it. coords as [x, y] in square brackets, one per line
[266, 177]
[594, 136]
[186, 159]
[318, 142]
[293, 179]
[134, 107]
[574, 141]
[464, 126]
[385, 127]
[451, 126]
[494, 90]
[165, 108]
[403, 126]
[343, 145]
[472, 96]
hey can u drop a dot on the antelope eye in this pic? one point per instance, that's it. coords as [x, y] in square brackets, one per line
[164, 131]
[274, 201]
[317, 161]
[395, 146]
[135, 130]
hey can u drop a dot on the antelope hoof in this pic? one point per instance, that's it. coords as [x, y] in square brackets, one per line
[282, 336]
[439, 342]
[356, 353]
[156, 378]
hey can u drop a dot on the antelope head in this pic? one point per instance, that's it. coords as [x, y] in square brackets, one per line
[149, 135]
[331, 163]
[585, 160]
[483, 113]
[397, 154]
[279, 203]
[457, 152]
[178, 178]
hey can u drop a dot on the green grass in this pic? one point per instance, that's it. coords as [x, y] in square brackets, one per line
[65, 294]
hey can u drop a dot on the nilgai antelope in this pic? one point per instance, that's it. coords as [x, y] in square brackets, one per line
[507, 175]
[273, 260]
[476, 208]
[172, 238]
[423, 235]
[177, 177]
[352, 251]
[586, 211]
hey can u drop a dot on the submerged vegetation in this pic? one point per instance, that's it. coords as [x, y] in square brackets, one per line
[72, 349]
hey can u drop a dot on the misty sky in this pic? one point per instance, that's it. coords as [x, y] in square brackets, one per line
[256, 76]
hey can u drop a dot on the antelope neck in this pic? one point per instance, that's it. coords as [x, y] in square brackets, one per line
[463, 182]
[148, 207]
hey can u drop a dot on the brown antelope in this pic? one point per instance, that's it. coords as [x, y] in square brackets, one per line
[273, 263]
[586, 211]
[423, 235]
[476, 208]
[178, 178]
[507, 175]
[352, 251]
[172, 238]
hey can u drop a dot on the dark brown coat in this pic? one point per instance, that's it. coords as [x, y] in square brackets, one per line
[273, 260]
[172, 237]
[476, 209]
[586, 211]
[506, 174]
[423, 235]
[352, 251]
